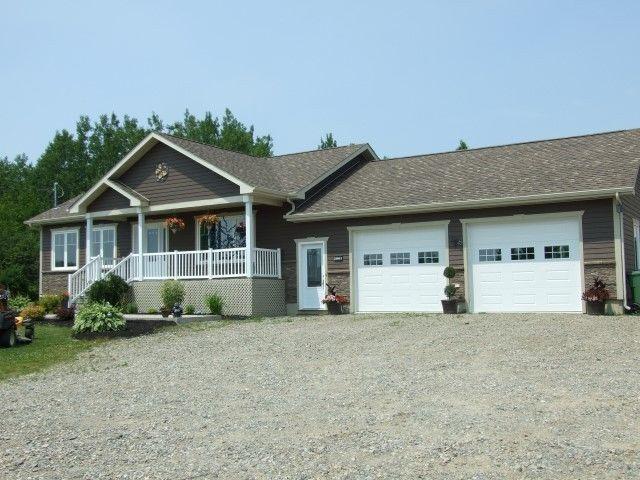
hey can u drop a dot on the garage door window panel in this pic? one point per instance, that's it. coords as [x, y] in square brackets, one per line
[372, 259]
[556, 251]
[428, 257]
[400, 258]
[523, 253]
[490, 255]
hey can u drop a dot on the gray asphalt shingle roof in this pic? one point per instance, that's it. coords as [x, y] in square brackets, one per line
[565, 165]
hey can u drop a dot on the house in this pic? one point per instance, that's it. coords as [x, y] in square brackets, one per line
[526, 225]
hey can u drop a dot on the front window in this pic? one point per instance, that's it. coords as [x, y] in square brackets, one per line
[64, 253]
[229, 232]
[103, 242]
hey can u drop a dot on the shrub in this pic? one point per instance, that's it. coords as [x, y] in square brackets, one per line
[130, 308]
[152, 311]
[189, 310]
[65, 314]
[215, 304]
[33, 312]
[171, 292]
[450, 290]
[50, 303]
[98, 317]
[449, 272]
[18, 303]
[111, 289]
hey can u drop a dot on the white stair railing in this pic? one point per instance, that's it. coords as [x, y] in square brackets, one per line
[83, 278]
[127, 268]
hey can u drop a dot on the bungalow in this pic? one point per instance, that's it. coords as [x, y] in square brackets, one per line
[526, 226]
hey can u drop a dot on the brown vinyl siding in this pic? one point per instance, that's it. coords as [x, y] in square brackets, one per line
[274, 232]
[187, 179]
[108, 200]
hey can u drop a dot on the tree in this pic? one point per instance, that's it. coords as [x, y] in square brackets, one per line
[327, 142]
[76, 160]
[462, 145]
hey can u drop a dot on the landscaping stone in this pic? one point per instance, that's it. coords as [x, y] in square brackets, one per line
[347, 397]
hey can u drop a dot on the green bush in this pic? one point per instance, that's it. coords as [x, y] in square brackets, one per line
[450, 290]
[98, 317]
[111, 289]
[33, 311]
[171, 292]
[152, 311]
[50, 303]
[215, 304]
[449, 272]
[18, 303]
[130, 308]
[189, 310]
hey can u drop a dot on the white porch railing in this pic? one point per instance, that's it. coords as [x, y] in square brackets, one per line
[84, 277]
[207, 264]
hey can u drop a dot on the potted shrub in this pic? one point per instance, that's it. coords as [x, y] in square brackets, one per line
[172, 295]
[450, 305]
[333, 301]
[595, 296]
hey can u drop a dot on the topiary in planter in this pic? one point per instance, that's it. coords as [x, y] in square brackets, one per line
[450, 305]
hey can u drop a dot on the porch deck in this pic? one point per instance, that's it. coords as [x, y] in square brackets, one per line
[180, 265]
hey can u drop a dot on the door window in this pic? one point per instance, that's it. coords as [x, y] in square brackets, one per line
[371, 259]
[428, 257]
[314, 267]
[103, 242]
[556, 251]
[402, 258]
[523, 253]
[490, 255]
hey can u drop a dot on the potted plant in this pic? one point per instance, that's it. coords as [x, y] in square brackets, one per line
[333, 301]
[172, 293]
[450, 305]
[175, 224]
[595, 296]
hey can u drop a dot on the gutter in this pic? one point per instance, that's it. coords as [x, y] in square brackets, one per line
[460, 205]
[620, 211]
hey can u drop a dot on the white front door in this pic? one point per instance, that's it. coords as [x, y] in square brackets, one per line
[525, 265]
[311, 275]
[400, 269]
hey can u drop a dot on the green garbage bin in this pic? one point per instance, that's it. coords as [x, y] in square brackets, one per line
[634, 278]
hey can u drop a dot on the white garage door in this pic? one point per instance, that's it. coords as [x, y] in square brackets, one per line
[525, 265]
[400, 269]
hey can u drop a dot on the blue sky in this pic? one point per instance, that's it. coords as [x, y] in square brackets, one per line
[407, 77]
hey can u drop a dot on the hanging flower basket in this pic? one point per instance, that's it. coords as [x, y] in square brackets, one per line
[208, 219]
[175, 224]
[241, 229]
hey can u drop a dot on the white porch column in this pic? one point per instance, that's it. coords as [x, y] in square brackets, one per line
[140, 244]
[88, 233]
[249, 235]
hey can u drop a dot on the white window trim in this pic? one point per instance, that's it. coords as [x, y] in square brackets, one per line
[636, 242]
[234, 213]
[102, 227]
[64, 231]
[134, 231]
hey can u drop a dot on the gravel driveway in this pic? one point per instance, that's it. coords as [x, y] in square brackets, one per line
[485, 396]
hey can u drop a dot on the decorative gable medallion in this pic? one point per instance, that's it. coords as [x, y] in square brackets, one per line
[162, 171]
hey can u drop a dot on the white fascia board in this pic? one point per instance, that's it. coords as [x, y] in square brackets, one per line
[134, 201]
[460, 205]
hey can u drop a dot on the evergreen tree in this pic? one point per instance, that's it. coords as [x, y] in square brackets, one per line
[327, 142]
[462, 145]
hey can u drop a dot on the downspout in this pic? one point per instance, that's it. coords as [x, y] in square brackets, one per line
[620, 210]
[293, 207]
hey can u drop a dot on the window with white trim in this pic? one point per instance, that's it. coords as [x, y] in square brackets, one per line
[229, 232]
[556, 251]
[372, 259]
[64, 249]
[490, 255]
[523, 253]
[103, 242]
[400, 258]
[428, 257]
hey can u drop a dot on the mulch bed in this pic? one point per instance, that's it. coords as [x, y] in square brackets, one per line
[134, 328]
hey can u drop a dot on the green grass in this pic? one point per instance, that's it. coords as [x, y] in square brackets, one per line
[53, 344]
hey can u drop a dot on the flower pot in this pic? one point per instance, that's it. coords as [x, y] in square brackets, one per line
[450, 306]
[595, 308]
[334, 308]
